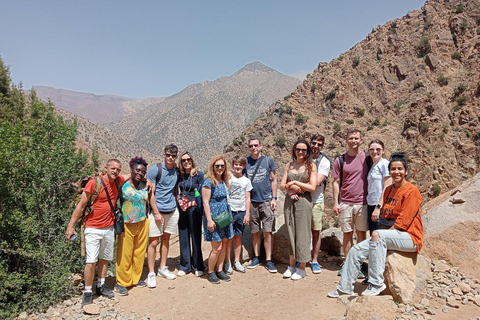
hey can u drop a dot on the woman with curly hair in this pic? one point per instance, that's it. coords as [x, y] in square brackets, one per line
[132, 244]
[299, 180]
[191, 212]
[214, 197]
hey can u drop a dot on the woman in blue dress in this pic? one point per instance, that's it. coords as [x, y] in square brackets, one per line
[214, 197]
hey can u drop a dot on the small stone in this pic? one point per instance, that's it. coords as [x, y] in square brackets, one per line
[457, 290]
[465, 301]
[91, 309]
[431, 311]
[445, 309]
[453, 305]
[171, 287]
[464, 287]
[23, 315]
[425, 303]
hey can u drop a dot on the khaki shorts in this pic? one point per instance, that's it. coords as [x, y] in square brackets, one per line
[168, 225]
[99, 244]
[353, 215]
[317, 213]
[261, 214]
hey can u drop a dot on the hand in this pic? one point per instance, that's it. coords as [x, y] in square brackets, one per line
[296, 189]
[273, 204]
[294, 197]
[246, 220]
[211, 225]
[337, 209]
[70, 231]
[150, 187]
[375, 215]
[158, 217]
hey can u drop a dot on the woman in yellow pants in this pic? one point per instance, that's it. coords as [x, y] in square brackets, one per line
[132, 244]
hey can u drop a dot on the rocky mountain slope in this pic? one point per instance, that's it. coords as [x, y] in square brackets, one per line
[96, 108]
[413, 82]
[205, 116]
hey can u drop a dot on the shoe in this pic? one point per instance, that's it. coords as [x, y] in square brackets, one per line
[374, 290]
[87, 298]
[212, 277]
[238, 266]
[337, 293]
[151, 280]
[316, 268]
[198, 273]
[223, 276]
[299, 274]
[270, 266]
[121, 290]
[181, 273]
[289, 272]
[164, 272]
[105, 291]
[141, 284]
[361, 275]
[227, 266]
[297, 264]
[254, 263]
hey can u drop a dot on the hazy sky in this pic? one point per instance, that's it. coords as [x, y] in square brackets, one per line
[156, 48]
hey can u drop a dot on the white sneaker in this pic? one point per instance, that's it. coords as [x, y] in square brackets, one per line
[151, 280]
[374, 290]
[198, 273]
[164, 272]
[227, 266]
[181, 273]
[238, 266]
[299, 274]
[289, 272]
[337, 293]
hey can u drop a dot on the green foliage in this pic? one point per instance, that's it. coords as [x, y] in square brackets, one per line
[308, 75]
[280, 141]
[422, 66]
[369, 128]
[445, 128]
[280, 110]
[385, 123]
[459, 89]
[349, 121]
[461, 100]
[38, 165]
[340, 57]
[288, 109]
[417, 85]
[468, 133]
[376, 122]
[287, 97]
[336, 127]
[442, 80]
[361, 112]
[242, 137]
[423, 46]
[436, 190]
[458, 9]
[355, 61]
[456, 55]
[300, 118]
[343, 71]
[331, 95]
[236, 142]
[423, 127]
[312, 88]
[464, 24]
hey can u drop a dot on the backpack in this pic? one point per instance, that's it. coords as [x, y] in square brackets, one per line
[319, 159]
[341, 159]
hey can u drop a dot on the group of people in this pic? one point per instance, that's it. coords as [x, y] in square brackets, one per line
[177, 198]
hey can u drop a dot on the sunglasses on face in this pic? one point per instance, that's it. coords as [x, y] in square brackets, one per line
[169, 155]
[219, 166]
[317, 144]
[301, 150]
[187, 160]
[373, 149]
[253, 146]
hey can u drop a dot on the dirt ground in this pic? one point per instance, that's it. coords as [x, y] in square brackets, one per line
[256, 294]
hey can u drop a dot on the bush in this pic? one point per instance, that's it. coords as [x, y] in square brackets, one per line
[287, 97]
[300, 118]
[464, 24]
[376, 122]
[331, 145]
[459, 89]
[369, 128]
[436, 190]
[459, 9]
[336, 128]
[456, 55]
[424, 47]
[468, 133]
[340, 57]
[288, 109]
[349, 121]
[442, 80]
[423, 127]
[461, 101]
[331, 95]
[356, 61]
[312, 88]
[281, 111]
[236, 142]
[242, 137]
[361, 112]
[280, 141]
[417, 85]
[39, 164]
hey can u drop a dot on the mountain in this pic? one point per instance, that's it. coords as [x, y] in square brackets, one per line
[302, 75]
[97, 108]
[205, 116]
[413, 83]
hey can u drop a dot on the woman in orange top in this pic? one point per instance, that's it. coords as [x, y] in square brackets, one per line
[401, 209]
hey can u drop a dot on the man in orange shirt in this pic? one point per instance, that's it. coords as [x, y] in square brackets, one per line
[99, 231]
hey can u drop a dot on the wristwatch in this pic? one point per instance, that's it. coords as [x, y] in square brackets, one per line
[378, 206]
[274, 198]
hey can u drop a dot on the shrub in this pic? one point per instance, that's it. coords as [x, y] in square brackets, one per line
[287, 97]
[427, 24]
[288, 109]
[312, 88]
[369, 128]
[236, 142]
[331, 145]
[461, 101]
[280, 141]
[343, 71]
[355, 61]
[331, 95]
[417, 85]
[459, 89]
[385, 123]
[467, 133]
[424, 46]
[442, 80]
[464, 24]
[436, 190]
[281, 111]
[340, 57]
[242, 137]
[376, 122]
[349, 121]
[308, 75]
[300, 118]
[459, 9]
[336, 128]
[456, 55]
[361, 112]
[423, 127]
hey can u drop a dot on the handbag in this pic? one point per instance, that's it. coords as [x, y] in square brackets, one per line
[385, 223]
[119, 223]
[224, 218]
[184, 203]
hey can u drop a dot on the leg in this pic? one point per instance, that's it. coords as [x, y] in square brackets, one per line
[102, 268]
[151, 253]
[268, 243]
[347, 242]
[352, 266]
[213, 256]
[256, 243]
[125, 247]
[372, 225]
[228, 249]
[237, 247]
[361, 235]
[139, 248]
[184, 240]
[89, 273]
[221, 254]
[317, 214]
[316, 242]
[164, 247]
[196, 232]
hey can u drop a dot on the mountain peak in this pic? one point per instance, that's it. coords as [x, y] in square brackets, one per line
[255, 66]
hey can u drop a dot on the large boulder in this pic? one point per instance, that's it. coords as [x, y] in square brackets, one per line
[332, 241]
[371, 307]
[406, 275]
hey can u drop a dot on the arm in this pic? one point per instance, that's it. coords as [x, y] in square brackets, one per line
[77, 213]
[336, 192]
[246, 220]
[309, 186]
[206, 194]
[273, 181]
[284, 186]
[156, 213]
[387, 181]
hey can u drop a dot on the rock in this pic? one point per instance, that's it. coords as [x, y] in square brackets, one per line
[431, 311]
[465, 301]
[440, 266]
[332, 241]
[75, 278]
[91, 309]
[425, 303]
[445, 309]
[457, 291]
[371, 307]
[23, 315]
[465, 288]
[406, 275]
[457, 201]
[432, 61]
[453, 304]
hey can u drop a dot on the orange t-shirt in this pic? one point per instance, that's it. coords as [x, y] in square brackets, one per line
[102, 215]
[402, 206]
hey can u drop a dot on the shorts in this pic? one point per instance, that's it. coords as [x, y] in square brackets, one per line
[353, 215]
[238, 225]
[168, 225]
[261, 214]
[99, 244]
[317, 213]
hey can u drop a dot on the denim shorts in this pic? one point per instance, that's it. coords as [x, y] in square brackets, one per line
[238, 225]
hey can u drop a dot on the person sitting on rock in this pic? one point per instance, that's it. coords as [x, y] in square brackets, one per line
[400, 214]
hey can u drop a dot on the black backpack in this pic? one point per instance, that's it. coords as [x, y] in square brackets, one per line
[319, 159]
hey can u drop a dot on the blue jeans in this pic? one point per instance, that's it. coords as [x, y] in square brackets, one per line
[376, 252]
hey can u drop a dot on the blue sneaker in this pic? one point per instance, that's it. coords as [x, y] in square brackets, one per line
[316, 267]
[270, 266]
[254, 263]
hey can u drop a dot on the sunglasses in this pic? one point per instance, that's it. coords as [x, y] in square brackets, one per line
[317, 144]
[373, 149]
[301, 150]
[187, 160]
[219, 166]
[169, 155]
[253, 146]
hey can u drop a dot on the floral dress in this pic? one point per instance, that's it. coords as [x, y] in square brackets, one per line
[218, 204]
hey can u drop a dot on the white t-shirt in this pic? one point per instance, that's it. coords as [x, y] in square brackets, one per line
[375, 177]
[236, 196]
[323, 168]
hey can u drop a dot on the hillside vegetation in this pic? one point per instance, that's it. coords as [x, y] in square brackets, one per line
[413, 82]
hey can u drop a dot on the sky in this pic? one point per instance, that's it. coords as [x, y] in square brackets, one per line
[141, 49]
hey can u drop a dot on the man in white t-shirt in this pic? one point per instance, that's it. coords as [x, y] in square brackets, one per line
[239, 201]
[317, 141]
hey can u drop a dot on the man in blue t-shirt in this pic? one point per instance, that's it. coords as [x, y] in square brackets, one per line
[164, 216]
[261, 171]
